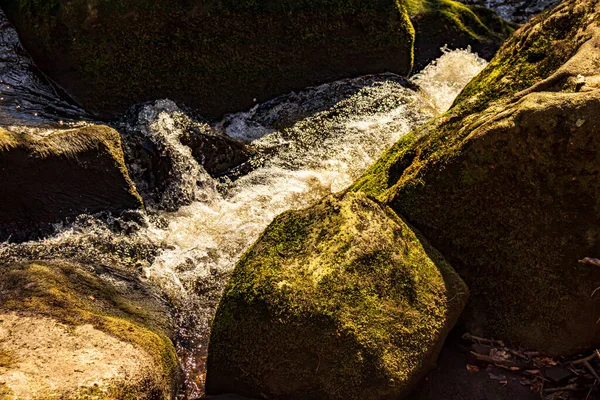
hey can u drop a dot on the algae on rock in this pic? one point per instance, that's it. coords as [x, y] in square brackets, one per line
[505, 184]
[72, 334]
[341, 301]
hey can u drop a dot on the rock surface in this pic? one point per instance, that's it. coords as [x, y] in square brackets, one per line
[339, 301]
[223, 56]
[48, 177]
[68, 333]
[446, 23]
[505, 185]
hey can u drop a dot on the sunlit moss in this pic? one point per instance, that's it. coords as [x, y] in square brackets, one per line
[74, 296]
[342, 300]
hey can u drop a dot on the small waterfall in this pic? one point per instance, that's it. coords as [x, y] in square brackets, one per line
[304, 145]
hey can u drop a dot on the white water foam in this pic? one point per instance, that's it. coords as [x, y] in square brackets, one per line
[313, 143]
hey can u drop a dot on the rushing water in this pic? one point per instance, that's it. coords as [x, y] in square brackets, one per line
[304, 145]
[308, 144]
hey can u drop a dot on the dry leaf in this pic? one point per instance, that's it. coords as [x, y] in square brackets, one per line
[472, 368]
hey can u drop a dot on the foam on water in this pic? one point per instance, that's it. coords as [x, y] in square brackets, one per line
[312, 143]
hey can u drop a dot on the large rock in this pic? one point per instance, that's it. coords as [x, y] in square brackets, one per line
[339, 301]
[505, 185]
[46, 178]
[447, 23]
[222, 56]
[67, 332]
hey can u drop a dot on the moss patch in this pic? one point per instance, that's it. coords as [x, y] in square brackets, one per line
[74, 296]
[342, 301]
[504, 185]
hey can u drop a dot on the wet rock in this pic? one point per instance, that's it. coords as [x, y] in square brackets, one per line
[50, 176]
[71, 333]
[340, 301]
[515, 10]
[172, 158]
[505, 184]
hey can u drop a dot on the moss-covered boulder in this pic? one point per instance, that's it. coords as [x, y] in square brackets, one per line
[340, 301]
[222, 56]
[440, 23]
[67, 332]
[505, 185]
[45, 178]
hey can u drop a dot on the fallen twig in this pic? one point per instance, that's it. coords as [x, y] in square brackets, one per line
[586, 359]
[590, 261]
[565, 389]
[480, 340]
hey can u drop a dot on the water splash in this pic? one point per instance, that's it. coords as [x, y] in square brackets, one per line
[444, 78]
[307, 144]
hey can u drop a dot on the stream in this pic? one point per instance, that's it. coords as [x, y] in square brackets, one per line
[305, 145]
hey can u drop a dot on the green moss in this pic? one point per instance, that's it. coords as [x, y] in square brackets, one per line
[540, 48]
[75, 296]
[502, 185]
[342, 300]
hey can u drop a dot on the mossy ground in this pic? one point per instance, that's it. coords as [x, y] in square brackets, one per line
[75, 296]
[342, 300]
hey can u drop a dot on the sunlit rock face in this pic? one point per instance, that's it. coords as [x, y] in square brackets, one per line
[517, 11]
[505, 184]
[74, 331]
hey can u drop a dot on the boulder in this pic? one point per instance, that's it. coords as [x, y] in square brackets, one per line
[67, 332]
[447, 23]
[339, 301]
[505, 185]
[223, 56]
[48, 177]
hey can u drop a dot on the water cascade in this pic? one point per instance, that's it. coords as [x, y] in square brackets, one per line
[304, 145]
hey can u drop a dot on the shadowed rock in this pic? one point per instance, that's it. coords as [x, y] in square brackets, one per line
[47, 178]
